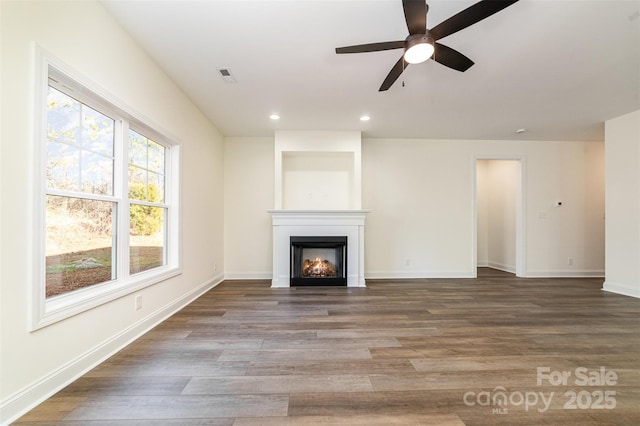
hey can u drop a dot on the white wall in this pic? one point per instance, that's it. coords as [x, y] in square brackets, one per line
[482, 213]
[504, 178]
[83, 35]
[420, 196]
[497, 189]
[420, 193]
[622, 142]
[249, 180]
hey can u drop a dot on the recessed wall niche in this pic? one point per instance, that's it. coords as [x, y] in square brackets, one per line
[317, 180]
[317, 170]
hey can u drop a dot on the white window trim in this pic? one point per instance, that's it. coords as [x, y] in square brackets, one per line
[45, 312]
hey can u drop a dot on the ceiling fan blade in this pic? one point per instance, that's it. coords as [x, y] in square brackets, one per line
[393, 74]
[468, 17]
[451, 58]
[415, 13]
[371, 47]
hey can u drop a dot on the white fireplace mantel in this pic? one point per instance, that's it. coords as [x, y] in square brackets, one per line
[288, 223]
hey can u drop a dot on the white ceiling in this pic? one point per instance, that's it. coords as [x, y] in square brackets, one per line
[557, 68]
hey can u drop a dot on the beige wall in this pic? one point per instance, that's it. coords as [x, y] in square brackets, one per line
[482, 204]
[84, 36]
[420, 193]
[498, 184]
[249, 180]
[622, 140]
[421, 196]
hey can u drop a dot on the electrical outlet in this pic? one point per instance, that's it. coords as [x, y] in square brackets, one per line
[569, 260]
[215, 267]
[138, 302]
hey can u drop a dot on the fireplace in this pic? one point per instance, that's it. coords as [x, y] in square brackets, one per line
[318, 223]
[318, 261]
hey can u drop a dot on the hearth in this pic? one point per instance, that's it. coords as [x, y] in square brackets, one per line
[318, 261]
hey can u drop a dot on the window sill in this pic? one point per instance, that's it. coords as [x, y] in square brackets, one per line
[65, 306]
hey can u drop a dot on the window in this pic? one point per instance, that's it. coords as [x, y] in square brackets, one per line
[81, 209]
[146, 203]
[108, 218]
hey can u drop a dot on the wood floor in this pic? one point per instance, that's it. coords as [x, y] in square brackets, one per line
[432, 351]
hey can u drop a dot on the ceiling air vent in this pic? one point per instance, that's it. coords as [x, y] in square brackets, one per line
[226, 75]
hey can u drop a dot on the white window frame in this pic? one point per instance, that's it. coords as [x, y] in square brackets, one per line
[43, 311]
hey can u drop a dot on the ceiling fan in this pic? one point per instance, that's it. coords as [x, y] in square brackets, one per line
[421, 44]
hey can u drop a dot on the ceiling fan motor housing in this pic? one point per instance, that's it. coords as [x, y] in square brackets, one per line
[422, 42]
[414, 39]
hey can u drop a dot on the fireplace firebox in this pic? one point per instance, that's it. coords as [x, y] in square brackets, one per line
[318, 261]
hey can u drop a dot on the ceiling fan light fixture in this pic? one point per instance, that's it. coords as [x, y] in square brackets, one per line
[418, 48]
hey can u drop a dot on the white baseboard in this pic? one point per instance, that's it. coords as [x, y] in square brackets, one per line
[370, 275]
[501, 267]
[623, 289]
[20, 403]
[382, 275]
[471, 274]
[248, 275]
[585, 273]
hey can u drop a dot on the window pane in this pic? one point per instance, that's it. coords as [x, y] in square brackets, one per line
[63, 166]
[97, 174]
[137, 149]
[97, 132]
[146, 169]
[156, 188]
[63, 117]
[79, 243]
[80, 143]
[156, 157]
[146, 238]
[137, 184]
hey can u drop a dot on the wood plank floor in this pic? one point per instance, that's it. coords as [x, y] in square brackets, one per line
[428, 352]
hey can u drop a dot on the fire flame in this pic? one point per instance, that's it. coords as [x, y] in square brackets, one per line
[318, 268]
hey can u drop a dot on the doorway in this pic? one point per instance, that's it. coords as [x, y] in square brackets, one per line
[499, 218]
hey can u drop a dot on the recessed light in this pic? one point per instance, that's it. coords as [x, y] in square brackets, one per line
[365, 117]
[274, 117]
